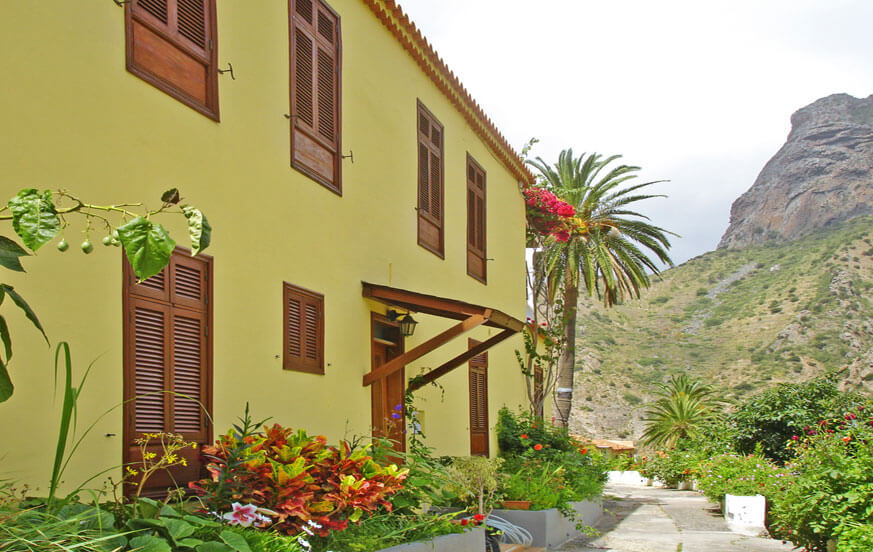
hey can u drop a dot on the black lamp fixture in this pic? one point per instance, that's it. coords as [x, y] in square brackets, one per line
[407, 323]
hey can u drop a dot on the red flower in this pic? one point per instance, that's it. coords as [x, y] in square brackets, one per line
[562, 236]
[847, 438]
[524, 436]
[584, 451]
[538, 447]
[479, 517]
[795, 438]
[465, 521]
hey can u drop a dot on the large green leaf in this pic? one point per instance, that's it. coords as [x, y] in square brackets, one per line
[198, 228]
[148, 246]
[22, 304]
[150, 543]
[6, 387]
[213, 546]
[4, 336]
[235, 541]
[34, 217]
[9, 254]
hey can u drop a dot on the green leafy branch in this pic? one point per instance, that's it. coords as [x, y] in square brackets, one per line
[40, 217]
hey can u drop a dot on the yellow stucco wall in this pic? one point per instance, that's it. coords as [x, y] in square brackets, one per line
[73, 118]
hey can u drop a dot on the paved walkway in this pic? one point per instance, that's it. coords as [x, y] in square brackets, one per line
[651, 519]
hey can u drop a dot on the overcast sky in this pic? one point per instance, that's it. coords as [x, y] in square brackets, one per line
[698, 92]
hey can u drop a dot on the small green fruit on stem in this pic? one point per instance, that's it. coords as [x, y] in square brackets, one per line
[63, 245]
[87, 247]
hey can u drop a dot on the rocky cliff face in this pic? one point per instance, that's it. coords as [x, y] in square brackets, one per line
[822, 175]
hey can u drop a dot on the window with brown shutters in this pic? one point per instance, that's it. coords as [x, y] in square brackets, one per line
[172, 45]
[303, 321]
[430, 182]
[477, 259]
[315, 92]
[168, 360]
[479, 439]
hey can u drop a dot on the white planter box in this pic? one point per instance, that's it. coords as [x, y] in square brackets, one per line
[549, 528]
[745, 514]
[626, 478]
[470, 541]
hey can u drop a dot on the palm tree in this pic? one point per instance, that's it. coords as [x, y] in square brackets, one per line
[684, 406]
[607, 250]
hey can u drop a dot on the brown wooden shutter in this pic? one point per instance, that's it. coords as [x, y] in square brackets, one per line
[316, 92]
[172, 45]
[476, 238]
[430, 181]
[303, 321]
[168, 364]
[478, 367]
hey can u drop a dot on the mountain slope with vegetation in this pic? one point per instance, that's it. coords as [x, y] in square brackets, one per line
[741, 320]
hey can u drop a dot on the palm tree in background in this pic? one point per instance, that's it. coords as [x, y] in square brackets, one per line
[607, 250]
[684, 406]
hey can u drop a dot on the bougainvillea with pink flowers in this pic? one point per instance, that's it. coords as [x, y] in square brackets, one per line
[548, 215]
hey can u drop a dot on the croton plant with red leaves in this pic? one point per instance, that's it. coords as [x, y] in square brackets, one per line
[297, 476]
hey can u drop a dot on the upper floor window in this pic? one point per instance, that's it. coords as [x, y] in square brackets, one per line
[430, 182]
[315, 92]
[476, 239]
[172, 45]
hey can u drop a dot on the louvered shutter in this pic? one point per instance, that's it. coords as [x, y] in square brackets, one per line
[172, 45]
[303, 323]
[478, 377]
[476, 239]
[315, 92]
[430, 181]
[168, 361]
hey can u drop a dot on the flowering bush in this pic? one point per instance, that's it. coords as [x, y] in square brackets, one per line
[831, 489]
[742, 476]
[296, 477]
[546, 214]
[518, 433]
[674, 465]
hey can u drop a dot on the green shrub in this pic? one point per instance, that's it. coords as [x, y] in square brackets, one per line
[672, 466]
[831, 489]
[516, 433]
[858, 538]
[632, 399]
[740, 475]
[386, 530]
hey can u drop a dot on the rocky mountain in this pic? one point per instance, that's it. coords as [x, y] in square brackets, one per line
[822, 175]
[741, 319]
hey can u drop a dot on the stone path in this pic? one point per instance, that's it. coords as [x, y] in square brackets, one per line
[651, 519]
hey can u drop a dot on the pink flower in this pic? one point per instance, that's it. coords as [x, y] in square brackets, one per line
[562, 236]
[566, 210]
[246, 515]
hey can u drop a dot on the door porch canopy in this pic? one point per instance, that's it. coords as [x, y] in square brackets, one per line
[469, 315]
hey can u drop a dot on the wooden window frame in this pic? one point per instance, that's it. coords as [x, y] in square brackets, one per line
[288, 362]
[209, 108]
[336, 186]
[423, 215]
[165, 301]
[471, 249]
[475, 366]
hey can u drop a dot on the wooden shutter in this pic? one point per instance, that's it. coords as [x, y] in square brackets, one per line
[168, 364]
[478, 367]
[315, 92]
[430, 182]
[172, 45]
[476, 240]
[303, 321]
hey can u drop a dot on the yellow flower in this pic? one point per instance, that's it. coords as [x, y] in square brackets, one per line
[132, 471]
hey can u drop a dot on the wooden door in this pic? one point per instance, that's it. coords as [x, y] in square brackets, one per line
[168, 365]
[479, 440]
[387, 394]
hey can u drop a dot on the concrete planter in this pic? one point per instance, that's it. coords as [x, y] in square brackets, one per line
[745, 514]
[471, 541]
[626, 478]
[549, 528]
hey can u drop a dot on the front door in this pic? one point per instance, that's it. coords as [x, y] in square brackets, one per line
[388, 393]
[478, 403]
[168, 366]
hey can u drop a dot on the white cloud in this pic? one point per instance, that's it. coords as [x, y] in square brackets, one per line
[698, 92]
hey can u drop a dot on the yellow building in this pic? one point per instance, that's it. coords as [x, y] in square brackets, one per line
[346, 172]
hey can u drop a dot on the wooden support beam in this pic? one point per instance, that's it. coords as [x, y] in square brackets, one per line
[417, 352]
[460, 359]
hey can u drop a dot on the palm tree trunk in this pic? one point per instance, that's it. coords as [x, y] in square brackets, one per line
[564, 391]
